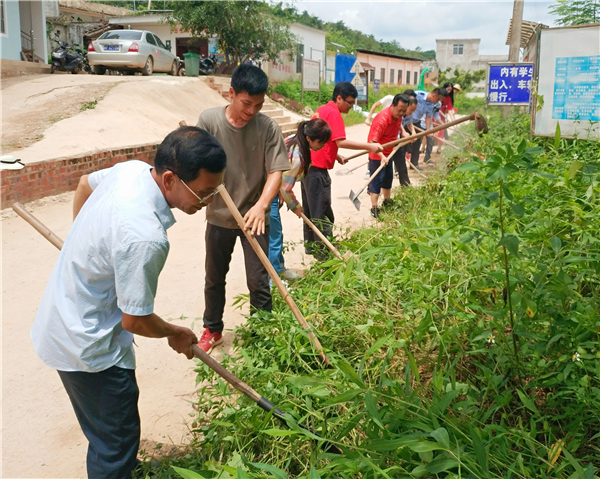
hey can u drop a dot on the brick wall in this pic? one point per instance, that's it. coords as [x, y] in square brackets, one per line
[52, 177]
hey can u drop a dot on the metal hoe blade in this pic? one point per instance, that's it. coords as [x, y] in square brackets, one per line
[354, 198]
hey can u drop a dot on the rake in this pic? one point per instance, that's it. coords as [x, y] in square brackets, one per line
[212, 363]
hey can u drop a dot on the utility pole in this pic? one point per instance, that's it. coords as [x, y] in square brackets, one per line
[515, 40]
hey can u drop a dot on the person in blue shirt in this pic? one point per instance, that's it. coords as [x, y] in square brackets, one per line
[423, 118]
[101, 291]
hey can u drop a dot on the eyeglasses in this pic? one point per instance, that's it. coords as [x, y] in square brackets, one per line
[349, 103]
[200, 200]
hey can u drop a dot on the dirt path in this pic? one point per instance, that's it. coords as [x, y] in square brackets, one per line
[51, 116]
[40, 436]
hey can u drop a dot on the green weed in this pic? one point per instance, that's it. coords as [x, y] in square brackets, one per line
[463, 332]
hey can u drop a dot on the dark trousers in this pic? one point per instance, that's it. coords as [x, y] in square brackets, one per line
[413, 148]
[428, 148]
[316, 203]
[219, 248]
[399, 160]
[105, 404]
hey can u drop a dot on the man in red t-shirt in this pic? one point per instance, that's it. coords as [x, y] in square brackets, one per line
[385, 128]
[316, 186]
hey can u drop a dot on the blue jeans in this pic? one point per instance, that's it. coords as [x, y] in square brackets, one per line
[276, 237]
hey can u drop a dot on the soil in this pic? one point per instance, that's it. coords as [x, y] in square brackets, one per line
[40, 434]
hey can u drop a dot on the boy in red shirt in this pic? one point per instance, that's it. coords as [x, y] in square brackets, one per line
[316, 187]
[385, 128]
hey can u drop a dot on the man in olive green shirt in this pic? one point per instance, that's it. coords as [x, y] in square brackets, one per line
[256, 158]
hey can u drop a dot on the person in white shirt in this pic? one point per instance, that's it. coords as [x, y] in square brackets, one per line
[102, 289]
[384, 103]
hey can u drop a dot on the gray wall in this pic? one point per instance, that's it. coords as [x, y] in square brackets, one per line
[447, 59]
[10, 42]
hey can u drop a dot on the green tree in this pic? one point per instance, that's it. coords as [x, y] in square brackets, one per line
[246, 29]
[466, 79]
[576, 12]
[339, 38]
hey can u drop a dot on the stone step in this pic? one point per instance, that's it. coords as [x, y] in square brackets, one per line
[272, 113]
[282, 120]
[269, 107]
[291, 126]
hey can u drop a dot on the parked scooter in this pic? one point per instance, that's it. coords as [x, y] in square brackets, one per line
[208, 66]
[65, 61]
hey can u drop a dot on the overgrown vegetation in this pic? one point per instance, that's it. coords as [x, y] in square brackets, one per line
[466, 79]
[464, 335]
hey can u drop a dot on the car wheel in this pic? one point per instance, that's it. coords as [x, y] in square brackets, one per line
[149, 67]
[99, 70]
[173, 68]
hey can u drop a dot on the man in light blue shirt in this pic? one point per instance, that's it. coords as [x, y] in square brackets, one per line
[423, 116]
[102, 289]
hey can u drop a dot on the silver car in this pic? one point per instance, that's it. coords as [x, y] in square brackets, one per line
[130, 51]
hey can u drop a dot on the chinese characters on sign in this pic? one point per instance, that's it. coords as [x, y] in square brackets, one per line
[577, 89]
[510, 84]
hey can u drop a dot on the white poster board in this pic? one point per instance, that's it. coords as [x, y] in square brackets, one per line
[568, 82]
[311, 75]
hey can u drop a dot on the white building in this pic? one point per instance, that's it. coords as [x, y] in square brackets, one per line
[23, 30]
[463, 53]
[311, 45]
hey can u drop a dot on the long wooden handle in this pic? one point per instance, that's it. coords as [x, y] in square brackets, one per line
[322, 236]
[381, 167]
[274, 276]
[441, 140]
[419, 135]
[38, 225]
[218, 368]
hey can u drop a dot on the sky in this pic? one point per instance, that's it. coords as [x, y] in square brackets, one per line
[418, 23]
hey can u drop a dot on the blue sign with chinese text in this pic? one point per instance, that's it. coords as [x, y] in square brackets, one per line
[509, 83]
[375, 86]
[577, 89]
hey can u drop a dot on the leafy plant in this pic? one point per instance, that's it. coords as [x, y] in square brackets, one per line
[463, 333]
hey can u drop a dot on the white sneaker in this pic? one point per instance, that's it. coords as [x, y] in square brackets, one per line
[367, 175]
[289, 275]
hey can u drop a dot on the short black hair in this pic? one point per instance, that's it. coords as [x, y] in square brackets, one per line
[188, 150]
[409, 92]
[401, 97]
[344, 89]
[440, 92]
[249, 79]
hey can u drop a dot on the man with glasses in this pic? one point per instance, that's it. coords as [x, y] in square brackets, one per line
[102, 289]
[316, 187]
[256, 159]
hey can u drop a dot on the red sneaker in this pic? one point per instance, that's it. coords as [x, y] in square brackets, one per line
[209, 340]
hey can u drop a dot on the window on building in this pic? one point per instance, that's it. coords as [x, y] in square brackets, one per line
[372, 75]
[399, 77]
[408, 78]
[299, 57]
[2, 20]
[392, 75]
[382, 78]
[416, 77]
[457, 49]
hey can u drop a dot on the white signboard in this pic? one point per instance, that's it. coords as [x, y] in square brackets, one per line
[357, 68]
[311, 75]
[568, 82]
[357, 81]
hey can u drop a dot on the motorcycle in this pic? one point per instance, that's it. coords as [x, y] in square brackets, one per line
[65, 61]
[208, 66]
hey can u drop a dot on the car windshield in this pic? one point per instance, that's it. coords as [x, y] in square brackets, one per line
[121, 35]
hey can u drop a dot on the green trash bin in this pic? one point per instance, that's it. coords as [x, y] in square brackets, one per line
[192, 64]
